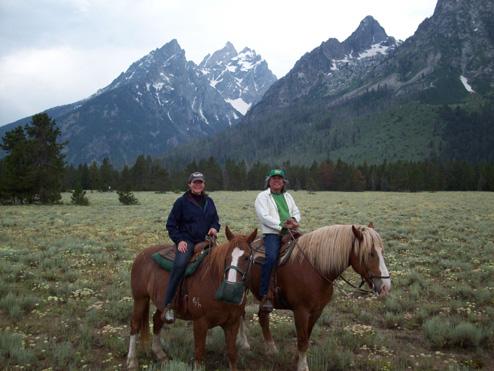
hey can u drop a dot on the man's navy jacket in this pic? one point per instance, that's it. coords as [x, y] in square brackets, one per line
[188, 221]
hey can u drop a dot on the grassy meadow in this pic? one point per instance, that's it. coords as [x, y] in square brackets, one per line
[65, 298]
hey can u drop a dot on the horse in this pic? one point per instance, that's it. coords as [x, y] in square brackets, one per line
[305, 281]
[149, 282]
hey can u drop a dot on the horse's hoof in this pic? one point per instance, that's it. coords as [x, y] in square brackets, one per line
[132, 364]
[244, 347]
[271, 348]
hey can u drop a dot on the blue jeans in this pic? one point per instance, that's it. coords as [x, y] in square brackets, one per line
[178, 271]
[272, 244]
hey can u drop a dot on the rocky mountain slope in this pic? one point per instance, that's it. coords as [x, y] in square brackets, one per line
[161, 101]
[370, 98]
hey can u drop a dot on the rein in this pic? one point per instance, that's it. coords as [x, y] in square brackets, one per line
[371, 277]
[308, 261]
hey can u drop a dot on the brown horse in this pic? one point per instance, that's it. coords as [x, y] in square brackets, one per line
[306, 281]
[149, 282]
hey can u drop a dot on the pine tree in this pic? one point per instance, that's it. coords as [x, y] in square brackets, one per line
[17, 169]
[47, 158]
[79, 197]
[127, 198]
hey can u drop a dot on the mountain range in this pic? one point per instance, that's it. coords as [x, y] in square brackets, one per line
[369, 98]
[162, 100]
[373, 99]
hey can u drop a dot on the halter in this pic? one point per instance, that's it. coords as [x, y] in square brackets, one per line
[235, 268]
[370, 277]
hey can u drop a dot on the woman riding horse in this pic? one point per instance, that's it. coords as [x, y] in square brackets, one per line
[276, 211]
[192, 217]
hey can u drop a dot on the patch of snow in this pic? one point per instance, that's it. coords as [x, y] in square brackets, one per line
[202, 115]
[168, 114]
[374, 50]
[154, 133]
[129, 77]
[334, 67]
[147, 86]
[231, 68]
[158, 85]
[465, 83]
[239, 104]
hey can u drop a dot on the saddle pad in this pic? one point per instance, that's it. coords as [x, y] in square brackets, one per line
[285, 251]
[165, 258]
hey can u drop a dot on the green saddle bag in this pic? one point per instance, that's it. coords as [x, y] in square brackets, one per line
[231, 292]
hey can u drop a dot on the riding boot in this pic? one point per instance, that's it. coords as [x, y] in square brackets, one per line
[168, 315]
[266, 304]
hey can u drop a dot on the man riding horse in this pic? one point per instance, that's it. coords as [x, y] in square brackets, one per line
[277, 213]
[192, 217]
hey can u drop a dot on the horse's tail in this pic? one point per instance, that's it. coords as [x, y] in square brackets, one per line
[144, 325]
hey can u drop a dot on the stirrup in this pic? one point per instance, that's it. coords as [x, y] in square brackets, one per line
[266, 305]
[168, 315]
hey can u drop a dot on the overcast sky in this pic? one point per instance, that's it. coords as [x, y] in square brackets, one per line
[54, 52]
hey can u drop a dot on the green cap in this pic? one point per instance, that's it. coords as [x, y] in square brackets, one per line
[277, 172]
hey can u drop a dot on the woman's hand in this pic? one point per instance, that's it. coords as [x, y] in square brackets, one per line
[182, 246]
[212, 232]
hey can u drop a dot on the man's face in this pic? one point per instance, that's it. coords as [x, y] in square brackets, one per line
[276, 183]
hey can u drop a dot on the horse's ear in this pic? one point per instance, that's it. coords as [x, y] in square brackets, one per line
[357, 233]
[229, 234]
[252, 236]
[371, 225]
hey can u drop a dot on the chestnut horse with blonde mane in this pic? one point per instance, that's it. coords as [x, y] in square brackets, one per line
[149, 282]
[306, 280]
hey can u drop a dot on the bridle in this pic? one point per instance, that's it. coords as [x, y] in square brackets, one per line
[369, 279]
[242, 273]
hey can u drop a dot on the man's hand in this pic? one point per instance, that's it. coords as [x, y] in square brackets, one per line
[182, 246]
[213, 232]
[291, 224]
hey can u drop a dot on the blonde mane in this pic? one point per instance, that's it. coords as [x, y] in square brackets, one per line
[328, 248]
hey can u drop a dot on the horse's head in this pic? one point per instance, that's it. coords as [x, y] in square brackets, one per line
[367, 259]
[238, 255]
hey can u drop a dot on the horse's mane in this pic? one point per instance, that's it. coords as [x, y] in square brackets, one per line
[328, 248]
[215, 262]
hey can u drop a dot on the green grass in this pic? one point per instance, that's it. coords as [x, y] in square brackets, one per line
[65, 299]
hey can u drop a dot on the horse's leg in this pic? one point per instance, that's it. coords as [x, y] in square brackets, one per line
[156, 346]
[242, 341]
[138, 323]
[266, 333]
[302, 319]
[231, 348]
[200, 333]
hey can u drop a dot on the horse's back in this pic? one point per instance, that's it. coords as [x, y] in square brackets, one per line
[143, 270]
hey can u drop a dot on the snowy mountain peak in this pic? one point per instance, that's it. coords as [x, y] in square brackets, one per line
[241, 78]
[368, 33]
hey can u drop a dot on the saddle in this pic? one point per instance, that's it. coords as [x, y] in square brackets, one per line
[287, 246]
[166, 256]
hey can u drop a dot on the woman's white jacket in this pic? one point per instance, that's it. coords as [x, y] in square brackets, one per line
[267, 211]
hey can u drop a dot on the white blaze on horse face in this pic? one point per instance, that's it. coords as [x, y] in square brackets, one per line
[232, 273]
[384, 272]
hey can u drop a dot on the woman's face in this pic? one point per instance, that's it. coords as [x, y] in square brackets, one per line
[197, 186]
